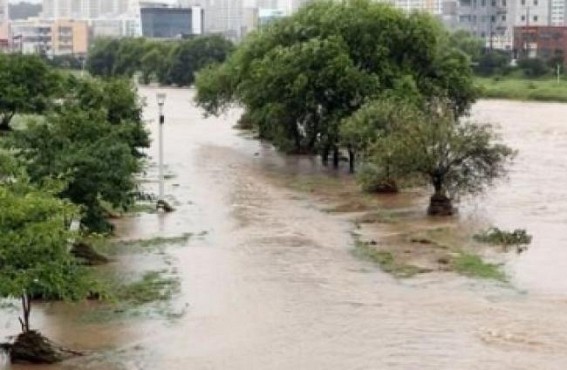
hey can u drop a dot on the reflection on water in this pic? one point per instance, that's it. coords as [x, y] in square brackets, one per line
[271, 284]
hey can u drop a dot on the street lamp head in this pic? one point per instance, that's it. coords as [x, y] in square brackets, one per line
[161, 99]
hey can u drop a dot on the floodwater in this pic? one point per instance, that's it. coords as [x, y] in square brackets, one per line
[271, 282]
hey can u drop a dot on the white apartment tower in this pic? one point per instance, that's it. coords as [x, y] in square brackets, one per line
[221, 16]
[83, 9]
[494, 20]
[3, 12]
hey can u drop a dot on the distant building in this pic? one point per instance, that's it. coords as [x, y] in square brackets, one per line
[494, 20]
[83, 9]
[225, 17]
[49, 37]
[115, 27]
[558, 12]
[4, 18]
[171, 22]
[541, 42]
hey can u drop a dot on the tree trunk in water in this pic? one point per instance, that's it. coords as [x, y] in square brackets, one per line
[336, 158]
[351, 160]
[440, 205]
[26, 310]
[325, 156]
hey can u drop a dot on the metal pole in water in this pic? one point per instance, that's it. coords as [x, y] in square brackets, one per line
[161, 103]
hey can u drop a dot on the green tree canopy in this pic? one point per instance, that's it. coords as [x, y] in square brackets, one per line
[34, 240]
[170, 62]
[118, 99]
[454, 157]
[190, 56]
[302, 75]
[88, 153]
[27, 85]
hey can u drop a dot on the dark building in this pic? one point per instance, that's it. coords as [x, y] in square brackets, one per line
[545, 42]
[171, 22]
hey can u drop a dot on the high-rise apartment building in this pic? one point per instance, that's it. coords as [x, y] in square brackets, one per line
[221, 16]
[83, 9]
[3, 11]
[4, 34]
[494, 20]
[558, 12]
[429, 6]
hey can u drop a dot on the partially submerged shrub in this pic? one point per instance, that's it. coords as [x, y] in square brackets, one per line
[373, 179]
[494, 236]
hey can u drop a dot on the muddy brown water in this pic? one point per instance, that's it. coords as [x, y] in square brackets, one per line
[271, 282]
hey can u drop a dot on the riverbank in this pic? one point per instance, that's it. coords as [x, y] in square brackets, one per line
[546, 89]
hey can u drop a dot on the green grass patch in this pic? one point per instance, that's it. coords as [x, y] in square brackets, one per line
[513, 88]
[385, 260]
[140, 207]
[154, 286]
[473, 266]
[157, 241]
[148, 296]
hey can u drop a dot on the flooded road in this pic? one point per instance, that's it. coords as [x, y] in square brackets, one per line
[271, 283]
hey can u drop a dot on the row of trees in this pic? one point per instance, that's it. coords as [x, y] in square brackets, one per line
[487, 62]
[387, 88]
[76, 158]
[169, 63]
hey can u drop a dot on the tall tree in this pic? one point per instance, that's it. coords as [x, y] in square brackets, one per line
[301, 76]
[453, 157]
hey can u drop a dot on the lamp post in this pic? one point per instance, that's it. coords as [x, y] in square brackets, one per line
[161, 102]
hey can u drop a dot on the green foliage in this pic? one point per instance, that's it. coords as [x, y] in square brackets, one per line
[455, 157]
[385, 260]
[34, 240]
[102, 57]
[174, 62]
[496, 236]
[547, 89]
[302, 76]
[473, 266]
[493, 62]
[153, 286]
[469, 44]
[533, 67]
[118, 99]
[27, 85]
[88, 153]
[189, 56]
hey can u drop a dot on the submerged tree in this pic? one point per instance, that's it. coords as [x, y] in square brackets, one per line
[302, 75]
[454, 157]
[34, 257]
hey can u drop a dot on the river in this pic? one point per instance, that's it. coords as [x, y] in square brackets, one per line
[271, 282]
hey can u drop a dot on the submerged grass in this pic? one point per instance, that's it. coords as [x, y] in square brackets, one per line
[149, 295]
[152, 287]
[473, 266]
[385, 260]
[156, 241]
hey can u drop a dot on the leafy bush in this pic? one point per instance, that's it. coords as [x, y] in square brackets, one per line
[495, 236]
[373, 179]
[493, 62]
[533, 67]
